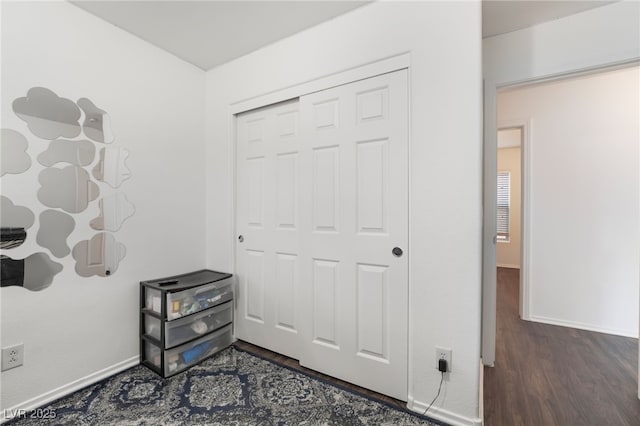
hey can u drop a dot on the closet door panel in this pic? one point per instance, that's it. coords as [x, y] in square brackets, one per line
[322, 208]
[354, 160]
[267, 224]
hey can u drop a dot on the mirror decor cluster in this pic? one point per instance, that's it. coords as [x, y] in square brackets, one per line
[72, 179]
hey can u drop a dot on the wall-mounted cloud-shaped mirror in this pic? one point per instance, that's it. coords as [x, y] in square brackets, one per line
[70, 188]
[13, 216]
[97, 124]
[114, 210]
[34, 273]
[100, 255]
[48, 115]
[14, 221]
[111, 167]
[55, 228]
[78, 153]
[13, 152]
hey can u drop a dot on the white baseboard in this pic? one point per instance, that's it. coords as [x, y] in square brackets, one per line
[64, 390]
[508, 265]
[583, 326]
[443, 415]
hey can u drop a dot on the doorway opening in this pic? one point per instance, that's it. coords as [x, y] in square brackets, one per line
[579, 262]
[509, 228]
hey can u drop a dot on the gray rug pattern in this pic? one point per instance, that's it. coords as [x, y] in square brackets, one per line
[230, 388]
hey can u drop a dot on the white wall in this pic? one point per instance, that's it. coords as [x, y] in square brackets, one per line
[443, 39]
[80, 326]
[508, 252]
[584, 198]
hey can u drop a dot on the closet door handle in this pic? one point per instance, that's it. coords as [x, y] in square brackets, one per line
[240, 238]
[397, 252]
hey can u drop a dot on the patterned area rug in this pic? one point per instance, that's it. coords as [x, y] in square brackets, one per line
[231, 388]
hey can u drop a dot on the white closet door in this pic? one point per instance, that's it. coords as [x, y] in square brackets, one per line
[354, 211]
[267, 221]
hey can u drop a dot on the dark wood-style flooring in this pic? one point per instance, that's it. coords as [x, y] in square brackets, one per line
[294, 364]
[546, 375]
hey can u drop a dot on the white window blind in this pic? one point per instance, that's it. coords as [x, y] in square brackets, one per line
[504, 203]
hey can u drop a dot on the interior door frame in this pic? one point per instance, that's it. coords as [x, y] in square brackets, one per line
[371, 69]
[491, 89]
[525, 126]
[489, 231]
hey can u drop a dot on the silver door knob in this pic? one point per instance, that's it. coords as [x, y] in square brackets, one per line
[240, 238]
[397, 252]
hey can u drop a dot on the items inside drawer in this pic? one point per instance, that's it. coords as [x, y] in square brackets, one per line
[187, 302]
[191, 327]
[185, 356]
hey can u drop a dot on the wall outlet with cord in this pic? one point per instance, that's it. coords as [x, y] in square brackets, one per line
[443, 354]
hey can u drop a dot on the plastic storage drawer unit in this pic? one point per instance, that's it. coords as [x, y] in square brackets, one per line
[184, 319]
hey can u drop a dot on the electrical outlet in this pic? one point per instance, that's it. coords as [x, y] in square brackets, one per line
[12, 356]
[443, 353]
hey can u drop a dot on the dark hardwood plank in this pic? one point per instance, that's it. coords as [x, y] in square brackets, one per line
[547, 375]
[294, 364]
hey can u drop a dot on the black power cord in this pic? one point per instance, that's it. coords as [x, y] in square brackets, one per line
[442, 367]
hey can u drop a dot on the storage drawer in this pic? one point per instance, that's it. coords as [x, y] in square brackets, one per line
[190, 327]
[192, 300]
[183, 357]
